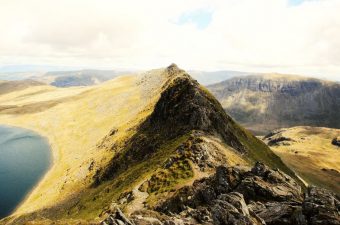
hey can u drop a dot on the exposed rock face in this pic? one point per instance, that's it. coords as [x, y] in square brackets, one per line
[267, 102]
[228, 197]
[185, 106]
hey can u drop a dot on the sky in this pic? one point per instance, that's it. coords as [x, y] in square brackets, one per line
[286, 36]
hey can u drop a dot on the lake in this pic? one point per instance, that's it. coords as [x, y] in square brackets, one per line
[24, 159]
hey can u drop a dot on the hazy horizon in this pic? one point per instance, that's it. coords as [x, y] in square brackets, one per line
[32, 69]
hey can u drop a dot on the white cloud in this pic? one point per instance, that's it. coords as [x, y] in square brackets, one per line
[250, 35]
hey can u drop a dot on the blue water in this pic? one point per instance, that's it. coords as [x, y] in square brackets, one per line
[24, 158]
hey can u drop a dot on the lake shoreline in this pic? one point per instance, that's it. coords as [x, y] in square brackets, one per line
[50, 161]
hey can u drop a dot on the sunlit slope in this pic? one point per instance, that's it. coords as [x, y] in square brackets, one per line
[310, 152]
[74, 120]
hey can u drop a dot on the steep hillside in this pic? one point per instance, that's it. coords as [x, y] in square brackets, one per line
[137, 142]
[266, 102]
[310, 152]
[75, 120]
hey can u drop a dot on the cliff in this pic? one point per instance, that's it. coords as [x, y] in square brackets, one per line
[266, 102]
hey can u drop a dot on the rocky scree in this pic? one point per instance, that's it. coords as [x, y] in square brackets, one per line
[235, 195]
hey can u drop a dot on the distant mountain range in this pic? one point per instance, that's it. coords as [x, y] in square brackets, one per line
[77, 78]
[65, 78]
[268, 101]
[207, 78]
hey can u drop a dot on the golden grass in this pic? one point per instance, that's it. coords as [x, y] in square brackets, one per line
[311, 152]
[75, 126]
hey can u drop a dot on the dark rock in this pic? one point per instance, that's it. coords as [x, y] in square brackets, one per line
[204, 191]
[266, 184]
[279, 213]
[321, 207]
[113, 131]
[336, 141]
[273, 198]
[232, 209]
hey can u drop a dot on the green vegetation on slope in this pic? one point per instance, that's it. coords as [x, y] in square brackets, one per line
[93, 201]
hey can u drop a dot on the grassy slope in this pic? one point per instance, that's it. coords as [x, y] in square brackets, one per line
[74, 127]
[11, 86]
[310, 152]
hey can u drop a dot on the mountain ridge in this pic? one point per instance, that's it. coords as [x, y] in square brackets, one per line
[177, 135]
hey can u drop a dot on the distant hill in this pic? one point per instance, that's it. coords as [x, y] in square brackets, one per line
[63, 78]
[77, 78]
[207, 78]
[10, 86]
[269, 101]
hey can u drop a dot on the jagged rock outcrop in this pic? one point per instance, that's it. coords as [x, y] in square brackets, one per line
[263, 183]
[266, 102]
[225, 198]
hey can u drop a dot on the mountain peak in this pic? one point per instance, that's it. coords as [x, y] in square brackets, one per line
[174, 69]
[172, 65]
